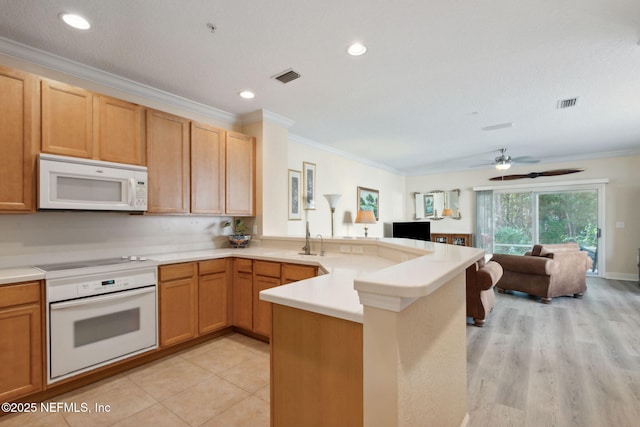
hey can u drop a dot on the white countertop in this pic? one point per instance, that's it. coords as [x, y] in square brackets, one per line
[398, 267]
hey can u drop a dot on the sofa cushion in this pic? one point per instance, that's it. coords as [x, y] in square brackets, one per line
[546, 250]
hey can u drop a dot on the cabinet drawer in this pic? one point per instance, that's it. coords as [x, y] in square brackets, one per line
[177, 271]
[295, 272]
[267, 268]
[212, 266]
[243, 265]
[23, 293]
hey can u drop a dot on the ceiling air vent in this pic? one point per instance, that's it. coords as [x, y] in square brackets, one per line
[286, 76]
[567, 103]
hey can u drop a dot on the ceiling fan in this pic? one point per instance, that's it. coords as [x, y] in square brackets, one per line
[504, 162]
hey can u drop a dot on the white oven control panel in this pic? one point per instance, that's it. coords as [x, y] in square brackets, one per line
[69, 288]
[101, 286]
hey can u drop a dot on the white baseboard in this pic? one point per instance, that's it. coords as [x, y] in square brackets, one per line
[621, 276]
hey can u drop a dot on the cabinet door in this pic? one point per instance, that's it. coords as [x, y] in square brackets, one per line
[294, 272]
[167, 162]
[207, 169]
[20, 341]
[240, 183]
[178, 302]
[212, 302]
[67, 120]
[120, 131]
[19, 125]
[243, 300]
[262, 309]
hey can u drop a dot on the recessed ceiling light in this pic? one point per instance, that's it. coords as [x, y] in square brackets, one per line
[357, 49]
[247, 94]
[75, 21]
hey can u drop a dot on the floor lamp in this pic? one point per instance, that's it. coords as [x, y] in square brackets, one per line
[333, 202]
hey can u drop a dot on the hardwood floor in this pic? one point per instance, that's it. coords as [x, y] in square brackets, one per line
[570, 363]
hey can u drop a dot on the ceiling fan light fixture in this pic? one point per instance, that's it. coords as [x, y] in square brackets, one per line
[503, 166]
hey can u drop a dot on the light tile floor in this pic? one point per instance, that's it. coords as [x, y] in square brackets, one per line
[223, 382]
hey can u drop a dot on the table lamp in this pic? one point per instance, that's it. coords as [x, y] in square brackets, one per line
[365, 216]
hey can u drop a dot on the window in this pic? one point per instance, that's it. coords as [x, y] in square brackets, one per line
[512, 219]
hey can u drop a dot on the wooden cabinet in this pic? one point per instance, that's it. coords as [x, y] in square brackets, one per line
[452, 239]
[19, 135]
[294, 272]
[243, 293]
[120, 131]
[240, 182]
[168, 162]
[207, 169]
[67, 120]
[266, 275]
[21, 340]
[79, 123]
[213, 295]
[178, 303]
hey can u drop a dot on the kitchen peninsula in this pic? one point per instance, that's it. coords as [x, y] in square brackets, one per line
[396, 304]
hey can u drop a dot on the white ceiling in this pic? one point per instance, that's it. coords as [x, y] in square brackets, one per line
[435, 74]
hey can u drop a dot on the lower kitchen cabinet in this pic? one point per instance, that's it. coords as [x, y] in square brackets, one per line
[243, 293]
[213, 295]
[178, 303]
[21, 340]
[266, 275]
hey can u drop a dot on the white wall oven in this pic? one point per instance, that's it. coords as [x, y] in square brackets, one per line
[99, 312]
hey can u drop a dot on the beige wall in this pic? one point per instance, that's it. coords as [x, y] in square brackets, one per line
[339, 175]
[622, 202]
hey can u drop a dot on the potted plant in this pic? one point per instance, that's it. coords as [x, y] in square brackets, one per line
[240, 237]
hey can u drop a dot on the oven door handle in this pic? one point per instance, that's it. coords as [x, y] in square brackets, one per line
[99, 299]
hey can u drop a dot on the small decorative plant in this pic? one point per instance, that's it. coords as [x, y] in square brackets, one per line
[240, 237]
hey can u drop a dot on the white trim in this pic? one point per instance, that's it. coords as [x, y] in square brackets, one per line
[266, 116]
[621, 276]
[537, 185]
[310, 143]
[58, 63]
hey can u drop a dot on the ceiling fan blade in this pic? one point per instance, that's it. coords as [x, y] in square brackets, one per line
[525, 159]
[554, 172]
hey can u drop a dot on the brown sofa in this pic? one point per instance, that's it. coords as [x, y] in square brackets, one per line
[481, 278]
[547, 271]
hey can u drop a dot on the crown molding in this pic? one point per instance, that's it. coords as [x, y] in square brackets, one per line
[310, 143]
[58, 63]
[265, 116]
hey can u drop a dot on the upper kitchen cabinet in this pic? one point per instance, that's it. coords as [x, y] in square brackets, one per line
[79, 123]
[19, 132]
[67, 120]
[120, 131]
[167, 141]
[240, 185]
[207, 169]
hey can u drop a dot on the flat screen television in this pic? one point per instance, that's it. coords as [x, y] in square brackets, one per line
[419, 230]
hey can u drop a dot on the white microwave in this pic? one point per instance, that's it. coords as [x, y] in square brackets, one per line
[71, 183]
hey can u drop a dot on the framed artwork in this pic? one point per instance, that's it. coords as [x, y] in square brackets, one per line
[295, 186]
[309, 171]
[428, 205]
[368, 199]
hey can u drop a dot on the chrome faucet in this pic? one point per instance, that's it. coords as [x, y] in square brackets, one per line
[321, 244]
[307, 242]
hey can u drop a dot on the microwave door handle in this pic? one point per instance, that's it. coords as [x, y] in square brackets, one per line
[132, 188]
[101, 298]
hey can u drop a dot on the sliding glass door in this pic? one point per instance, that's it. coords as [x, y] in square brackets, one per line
[521, 219]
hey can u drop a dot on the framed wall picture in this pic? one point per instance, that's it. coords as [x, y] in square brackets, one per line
[369, 199]
[428, 205]
[295, 187]
[309, 171]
